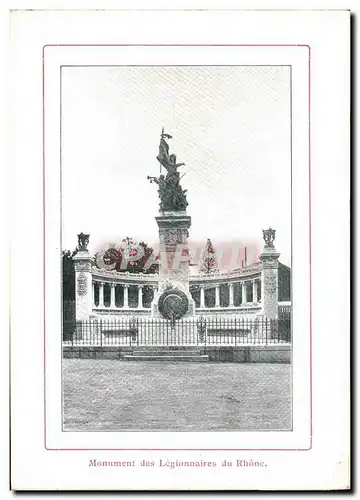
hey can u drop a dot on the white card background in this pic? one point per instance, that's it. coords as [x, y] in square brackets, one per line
[44, 457]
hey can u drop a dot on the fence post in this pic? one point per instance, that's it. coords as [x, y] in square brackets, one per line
[205, 331]
[101, 339]
[266, 331]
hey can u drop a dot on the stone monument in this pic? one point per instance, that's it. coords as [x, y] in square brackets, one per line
[269, 279]
[173, 299]
[83, 279]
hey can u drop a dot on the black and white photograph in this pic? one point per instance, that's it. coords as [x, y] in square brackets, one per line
[180, 188]
[176, 248]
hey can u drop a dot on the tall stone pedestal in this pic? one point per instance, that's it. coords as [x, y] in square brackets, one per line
[83, 285]
[174, 260]
[269, 282]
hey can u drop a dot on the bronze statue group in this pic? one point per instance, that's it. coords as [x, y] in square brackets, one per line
[172, 195]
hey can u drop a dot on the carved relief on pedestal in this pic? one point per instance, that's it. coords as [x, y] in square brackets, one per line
[82, 265]
[270, 283]
[173, 236]
[81, 284]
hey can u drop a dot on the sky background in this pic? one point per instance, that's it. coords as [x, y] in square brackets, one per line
[230, 125]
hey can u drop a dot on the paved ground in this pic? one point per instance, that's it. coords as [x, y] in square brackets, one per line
[111, 395]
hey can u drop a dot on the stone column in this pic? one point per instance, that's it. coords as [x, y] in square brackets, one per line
[243, 293]
[101, 294]
[93, 294]
[202, 297]
[112, 295]
[231, 294]
[269, 276]
[83, 284]
[140, 297]
[217, 295]
[155, 292]
[255, 297]
[126, 297]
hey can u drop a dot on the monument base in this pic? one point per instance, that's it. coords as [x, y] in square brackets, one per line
[173, 299]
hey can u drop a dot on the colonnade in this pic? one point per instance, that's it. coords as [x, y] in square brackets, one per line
[238, 293]
[125, 287]
[202, 288]
[244, 285]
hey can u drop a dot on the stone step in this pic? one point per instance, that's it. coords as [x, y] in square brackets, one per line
[167, 347]
[197, 358]
[145, 352]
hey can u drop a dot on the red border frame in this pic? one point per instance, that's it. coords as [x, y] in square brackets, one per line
[310, 256]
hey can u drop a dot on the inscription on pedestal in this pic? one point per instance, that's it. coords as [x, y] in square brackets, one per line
[82, 284]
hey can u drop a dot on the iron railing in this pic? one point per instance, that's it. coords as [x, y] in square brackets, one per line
[201, 330]
[284, 315]
[68, 314]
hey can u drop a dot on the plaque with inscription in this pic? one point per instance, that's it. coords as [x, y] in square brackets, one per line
[82, 284]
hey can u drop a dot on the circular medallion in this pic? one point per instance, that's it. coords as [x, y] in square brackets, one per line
[173, 304]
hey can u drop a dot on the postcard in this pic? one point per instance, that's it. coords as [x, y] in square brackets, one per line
[173, 176]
